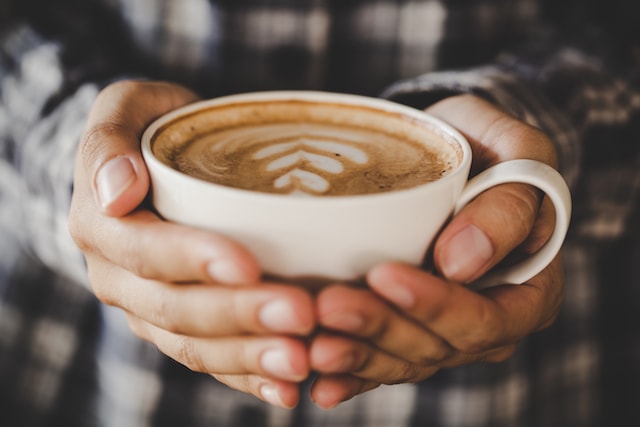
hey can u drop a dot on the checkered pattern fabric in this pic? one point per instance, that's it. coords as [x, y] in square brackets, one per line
[67, 360]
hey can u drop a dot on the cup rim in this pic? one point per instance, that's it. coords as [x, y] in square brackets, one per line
[447, 131]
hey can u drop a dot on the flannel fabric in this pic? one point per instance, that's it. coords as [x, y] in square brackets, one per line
[567, 67]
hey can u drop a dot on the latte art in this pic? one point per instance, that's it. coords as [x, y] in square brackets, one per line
[299, 152]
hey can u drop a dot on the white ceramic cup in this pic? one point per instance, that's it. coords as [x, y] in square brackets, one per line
[342, 237]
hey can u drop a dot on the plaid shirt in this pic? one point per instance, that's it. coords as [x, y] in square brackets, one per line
[67, 360]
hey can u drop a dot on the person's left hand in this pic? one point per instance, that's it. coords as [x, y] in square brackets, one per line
[409, 323]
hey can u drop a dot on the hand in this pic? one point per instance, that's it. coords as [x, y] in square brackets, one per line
[196, 295]
[409, 323]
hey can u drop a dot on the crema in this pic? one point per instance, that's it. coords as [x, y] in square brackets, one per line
[305, 149]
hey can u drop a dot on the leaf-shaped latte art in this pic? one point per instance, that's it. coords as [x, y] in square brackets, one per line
[318, 161]
[310, 159]
[300, 162]
[354, 154]
[303, 181]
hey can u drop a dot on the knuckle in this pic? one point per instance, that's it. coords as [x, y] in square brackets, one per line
[102, 295]
[137, 264]
[236, 313]
[77, 228]
[379, 329]
[188, 355]
[528, 203]
[363, 361]
[246, 384]
[136, 326]
[80, 224]
[483, 338]
[431, 355]
[407, 372]
[545, 148]
[163, 313]
[477, 344]
[524, 202]
[437, 311]
[134, 253]
[92, 145]
[105, 294]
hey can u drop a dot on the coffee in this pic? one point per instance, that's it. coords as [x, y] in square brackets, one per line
[302, 147]
[308, 143]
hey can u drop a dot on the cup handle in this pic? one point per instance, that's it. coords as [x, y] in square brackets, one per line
[546, 179]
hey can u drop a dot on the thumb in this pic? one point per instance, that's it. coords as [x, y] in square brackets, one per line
[487, 230]
[110, 148]
[505, 216]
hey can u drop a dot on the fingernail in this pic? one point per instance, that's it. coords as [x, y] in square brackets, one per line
[113, 179]
[225, 271]
[278, 316]
[398, 295]
[321, 397]
[465, 254]
[269, 392]
[276, 362]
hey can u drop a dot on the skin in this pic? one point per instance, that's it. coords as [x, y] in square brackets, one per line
[200, 297]
[409, 324]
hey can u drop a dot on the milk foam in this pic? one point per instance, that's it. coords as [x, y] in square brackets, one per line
[304, 153]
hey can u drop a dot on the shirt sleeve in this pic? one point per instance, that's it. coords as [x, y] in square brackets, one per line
[49, 78]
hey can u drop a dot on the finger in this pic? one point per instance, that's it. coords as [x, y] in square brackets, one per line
[500, 219]
[331, 354]
[486, 230]
[335, 354]
[373, 322]
[206, 311]
[328, 391]
[156, 249]
[494, 355]
[360, 313]
[109, 150]
[278, 393]
[274, 357]
[542, 228]
[470, 321]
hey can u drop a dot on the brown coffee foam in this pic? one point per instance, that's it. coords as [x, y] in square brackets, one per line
[216, 144]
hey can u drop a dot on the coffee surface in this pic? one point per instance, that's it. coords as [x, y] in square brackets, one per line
[300, 148]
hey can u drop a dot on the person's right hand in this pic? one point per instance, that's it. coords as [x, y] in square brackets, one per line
[196, 295]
